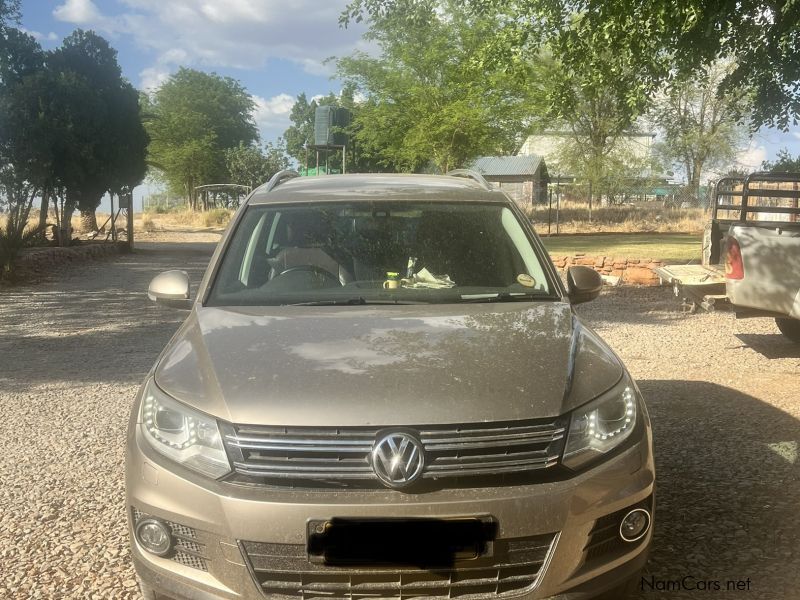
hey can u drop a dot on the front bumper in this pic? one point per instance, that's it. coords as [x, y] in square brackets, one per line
[222, 516]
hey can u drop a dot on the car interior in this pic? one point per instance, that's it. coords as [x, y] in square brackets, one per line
[324, 247]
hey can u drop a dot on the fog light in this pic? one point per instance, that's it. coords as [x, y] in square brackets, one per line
[634, 525]
[154, 536]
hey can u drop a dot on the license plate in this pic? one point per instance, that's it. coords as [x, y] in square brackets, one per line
[422, 543]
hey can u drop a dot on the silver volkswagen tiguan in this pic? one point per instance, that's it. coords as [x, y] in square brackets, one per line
[382, 391]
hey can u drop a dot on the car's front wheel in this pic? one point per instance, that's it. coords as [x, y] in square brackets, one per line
[790, 328]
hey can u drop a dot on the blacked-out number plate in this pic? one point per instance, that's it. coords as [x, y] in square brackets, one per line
[423, 543]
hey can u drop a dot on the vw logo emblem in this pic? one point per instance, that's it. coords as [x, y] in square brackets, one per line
[397, 459]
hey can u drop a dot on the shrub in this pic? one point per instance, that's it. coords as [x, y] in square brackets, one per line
[147, 222]
[11, 242]
[216, 217]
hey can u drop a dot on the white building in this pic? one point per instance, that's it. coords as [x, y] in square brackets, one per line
[635, 146]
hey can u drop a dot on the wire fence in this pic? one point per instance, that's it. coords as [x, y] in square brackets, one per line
[573, 206]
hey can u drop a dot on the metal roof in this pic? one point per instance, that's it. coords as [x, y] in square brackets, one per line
[508, 166]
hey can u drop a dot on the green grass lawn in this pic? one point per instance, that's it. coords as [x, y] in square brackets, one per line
[669, 247]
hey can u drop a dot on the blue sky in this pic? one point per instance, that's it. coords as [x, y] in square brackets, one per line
[275, 48]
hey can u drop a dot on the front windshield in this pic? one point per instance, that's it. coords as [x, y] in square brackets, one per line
[378, 252]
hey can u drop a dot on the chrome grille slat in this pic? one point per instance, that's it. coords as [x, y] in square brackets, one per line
[468, 440]
[495, 470]
[486, 464]
[316, 475]
[305, 469]
[339, 454]
[470, 459]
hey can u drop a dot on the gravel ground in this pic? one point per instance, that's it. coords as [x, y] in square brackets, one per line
[724, 397]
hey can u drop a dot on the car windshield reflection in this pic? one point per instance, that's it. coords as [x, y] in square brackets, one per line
[358, 253]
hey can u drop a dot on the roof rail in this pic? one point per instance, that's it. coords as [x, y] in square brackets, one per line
[470, 174]
[279, 178]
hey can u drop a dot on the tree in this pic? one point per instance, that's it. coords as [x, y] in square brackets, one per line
[700, 122]
[128, 154]
[16, 196]
[191, 120]
[20, 56]
[252, 165]
[783, 163]
[107, 138]
[9, 11]
[593, 120]
[70, 124]
[650, 40]
[428, 101]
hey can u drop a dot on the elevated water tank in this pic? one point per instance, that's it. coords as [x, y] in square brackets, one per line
[328, 123]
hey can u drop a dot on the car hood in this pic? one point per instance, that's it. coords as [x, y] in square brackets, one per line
[386, 365]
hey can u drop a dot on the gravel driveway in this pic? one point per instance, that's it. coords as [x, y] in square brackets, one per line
[724, 397]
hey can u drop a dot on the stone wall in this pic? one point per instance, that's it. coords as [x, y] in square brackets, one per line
[637, 271]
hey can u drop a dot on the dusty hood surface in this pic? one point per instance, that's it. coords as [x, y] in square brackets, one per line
[397, 365]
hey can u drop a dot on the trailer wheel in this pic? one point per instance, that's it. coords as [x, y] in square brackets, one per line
[790, 328]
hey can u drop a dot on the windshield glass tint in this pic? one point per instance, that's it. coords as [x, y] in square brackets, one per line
[363, 252]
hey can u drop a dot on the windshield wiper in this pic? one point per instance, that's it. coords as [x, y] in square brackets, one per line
[502, 296]
[355, 301]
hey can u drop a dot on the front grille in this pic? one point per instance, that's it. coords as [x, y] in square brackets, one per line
[283, 571]
[187, 551]
[291, 454]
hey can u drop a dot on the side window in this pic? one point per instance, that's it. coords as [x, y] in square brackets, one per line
[524, 248]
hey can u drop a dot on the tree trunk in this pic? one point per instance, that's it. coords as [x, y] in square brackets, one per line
[65, 237]
[43, 210]
[88, 221]
[694, 182]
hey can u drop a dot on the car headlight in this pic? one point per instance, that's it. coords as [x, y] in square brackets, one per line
[185, 435]
[601, 425]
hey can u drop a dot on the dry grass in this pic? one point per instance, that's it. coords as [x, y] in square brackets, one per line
[628, 218]
[182, 219]
[146, 223]
[678, 248]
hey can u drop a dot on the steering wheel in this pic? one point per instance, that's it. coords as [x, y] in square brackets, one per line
[323, 273]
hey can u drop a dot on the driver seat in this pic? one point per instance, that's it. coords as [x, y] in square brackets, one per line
[303, 246]
[299, 257]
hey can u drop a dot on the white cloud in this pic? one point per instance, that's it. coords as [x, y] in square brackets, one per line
[272, 114]
[86, 14]
[751, 157]
[39, 36]
[80, 12]
[243, 34]
[152, 77]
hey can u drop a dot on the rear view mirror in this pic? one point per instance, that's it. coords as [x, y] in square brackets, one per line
[170, 288]
[583, 284]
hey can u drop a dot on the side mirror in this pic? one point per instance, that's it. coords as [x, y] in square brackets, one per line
[583, 284]
[170, 288]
